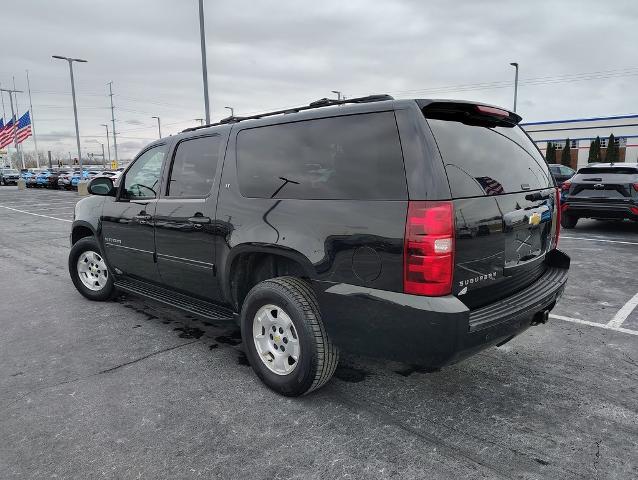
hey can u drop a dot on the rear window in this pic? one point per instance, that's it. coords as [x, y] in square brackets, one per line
[481, 160]
[350, 157]
[619, 170]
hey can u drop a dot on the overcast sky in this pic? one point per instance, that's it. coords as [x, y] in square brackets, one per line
[270, 54]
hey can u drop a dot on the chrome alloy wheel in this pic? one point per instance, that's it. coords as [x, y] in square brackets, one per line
[92, 270]
[276, 339]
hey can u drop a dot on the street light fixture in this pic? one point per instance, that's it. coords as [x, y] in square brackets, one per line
[338, 93]
[232, 111]
[159, 126]
[75, 108]
[515, 65]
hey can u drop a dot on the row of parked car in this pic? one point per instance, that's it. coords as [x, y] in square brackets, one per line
[61, 178]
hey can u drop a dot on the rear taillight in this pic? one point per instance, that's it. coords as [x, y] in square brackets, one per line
[498, 112]
[636, 186]
[565, 186]
[428, 253]
[558, 212]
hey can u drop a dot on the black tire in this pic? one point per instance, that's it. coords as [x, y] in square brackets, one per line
[568, 221]
[83, 245]
[319, 356]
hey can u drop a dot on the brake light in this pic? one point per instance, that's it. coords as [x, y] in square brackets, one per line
[558, 214]
[565, 186]
[428, 252]
[636, 186]
[492, 111]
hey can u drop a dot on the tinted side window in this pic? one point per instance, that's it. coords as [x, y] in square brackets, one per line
[143, 178]
[489, 160]
[194, 165]
[349, 157]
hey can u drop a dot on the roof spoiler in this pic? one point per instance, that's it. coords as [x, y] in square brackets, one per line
[469, 113]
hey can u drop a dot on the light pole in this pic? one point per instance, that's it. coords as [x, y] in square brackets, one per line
[108, 142]
[232, 111]
[515, 65]
[338, 93]
[159, 126]
[75, 108]
[202, 36]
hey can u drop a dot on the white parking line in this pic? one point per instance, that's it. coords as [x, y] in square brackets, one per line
[36, 214]
[605, 326]
[624, 312]
[598, 240]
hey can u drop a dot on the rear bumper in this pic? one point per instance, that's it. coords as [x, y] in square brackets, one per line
[601, 210]
[433, 331]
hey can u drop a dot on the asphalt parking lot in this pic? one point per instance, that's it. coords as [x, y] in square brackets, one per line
[130, 389]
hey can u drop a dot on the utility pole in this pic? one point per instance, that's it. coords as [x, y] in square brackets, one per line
[159, 127]
[110, 84]
[515, 65]
[108, 142]
[75, 107]
[202, 36]
[35, 141]
[103, 157]
[14, 119]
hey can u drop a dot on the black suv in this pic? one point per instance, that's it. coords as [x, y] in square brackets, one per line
[416, 230]
[603, 191]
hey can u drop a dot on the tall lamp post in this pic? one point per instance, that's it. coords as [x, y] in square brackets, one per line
[108, 142]
[75, 108]
[202, 36]
[159, 126]
[515, 65]
[232, 111]
[338, 93]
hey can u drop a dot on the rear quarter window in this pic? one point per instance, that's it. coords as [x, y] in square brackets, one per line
[482, 161]
[348, 157]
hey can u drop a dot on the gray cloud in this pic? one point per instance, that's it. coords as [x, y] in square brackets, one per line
[271, 54]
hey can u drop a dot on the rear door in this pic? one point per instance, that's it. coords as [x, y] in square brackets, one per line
[504, 199]
[184, 218]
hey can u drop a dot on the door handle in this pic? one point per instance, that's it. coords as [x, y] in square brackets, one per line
[143, 219]
[200, 220]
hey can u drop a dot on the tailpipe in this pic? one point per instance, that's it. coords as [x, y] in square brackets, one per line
[540, 317]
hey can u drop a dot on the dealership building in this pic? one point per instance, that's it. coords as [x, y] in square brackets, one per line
[582, 131]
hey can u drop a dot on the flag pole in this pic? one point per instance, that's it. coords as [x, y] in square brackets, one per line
[35, 141]
[4, 114]
[18, 148]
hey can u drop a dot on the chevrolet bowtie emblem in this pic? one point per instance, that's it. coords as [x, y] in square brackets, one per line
[535, 218]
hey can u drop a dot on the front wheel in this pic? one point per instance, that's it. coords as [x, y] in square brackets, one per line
[88, 270]
[284, 337]
[568, 221]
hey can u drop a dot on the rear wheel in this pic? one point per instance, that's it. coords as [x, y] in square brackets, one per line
[568, 221]
[88, 270]
[284, 337]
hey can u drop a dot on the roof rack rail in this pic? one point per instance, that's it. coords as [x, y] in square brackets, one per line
[323, 102]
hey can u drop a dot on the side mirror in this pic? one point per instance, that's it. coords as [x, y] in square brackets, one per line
[102, 186]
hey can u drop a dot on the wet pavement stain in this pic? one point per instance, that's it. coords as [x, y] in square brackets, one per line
[137, 326]
[347, 373]
[409, 370]
[233, 338]
[189, 332]
[213, 346]
[17, 374]
[142, 311]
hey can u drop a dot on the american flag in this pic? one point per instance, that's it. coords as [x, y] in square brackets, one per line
[491, 186]
[24, 127]
[6, 134]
